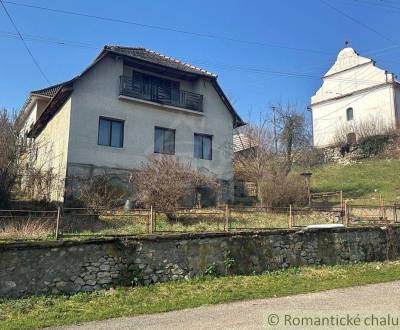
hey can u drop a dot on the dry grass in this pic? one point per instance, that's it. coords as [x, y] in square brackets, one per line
[26, 228]
[116, 223]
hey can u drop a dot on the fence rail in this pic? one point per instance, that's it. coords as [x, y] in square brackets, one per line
[84, 222]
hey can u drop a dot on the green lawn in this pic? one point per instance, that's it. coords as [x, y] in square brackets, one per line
[363, 180]
[36, 312]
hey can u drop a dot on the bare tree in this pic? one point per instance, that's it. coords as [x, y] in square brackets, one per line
[165, 182]
[268, 165]
[294, 135]
[12, 149]
[252, 163]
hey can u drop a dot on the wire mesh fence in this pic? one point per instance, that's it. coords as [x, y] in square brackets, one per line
[84, 222]
[27, 224]
[103, 222]
[190, 220]
[370, 215]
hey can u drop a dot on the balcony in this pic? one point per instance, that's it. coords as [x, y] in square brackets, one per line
[166, 96]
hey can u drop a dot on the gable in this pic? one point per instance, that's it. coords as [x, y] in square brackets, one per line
[63, 90]
[351, 73]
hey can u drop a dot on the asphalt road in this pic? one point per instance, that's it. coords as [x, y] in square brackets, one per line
[377, 306]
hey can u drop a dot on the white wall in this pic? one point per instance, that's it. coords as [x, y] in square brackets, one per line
[330, 118]
[96, 94]
[52, 145]
[353, 81]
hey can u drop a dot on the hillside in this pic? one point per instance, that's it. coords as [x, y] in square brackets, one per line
[363, 180]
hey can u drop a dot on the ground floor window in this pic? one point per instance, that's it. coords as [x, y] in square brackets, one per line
[111, 132]
[202, 146]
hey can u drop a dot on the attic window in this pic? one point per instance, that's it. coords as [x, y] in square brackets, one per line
[349, 114]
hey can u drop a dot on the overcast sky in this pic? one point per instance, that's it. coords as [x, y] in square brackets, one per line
[264, 52]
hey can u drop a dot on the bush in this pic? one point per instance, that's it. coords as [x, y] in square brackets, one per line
[98, 192]
[165, 183]
[373, 145]
[283, 190]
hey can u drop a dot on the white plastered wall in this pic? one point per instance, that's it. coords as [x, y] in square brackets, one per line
[96, 94]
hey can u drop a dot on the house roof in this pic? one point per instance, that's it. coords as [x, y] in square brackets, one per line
[243, 142]
[157, 58]
[137, 53]
[49, 91]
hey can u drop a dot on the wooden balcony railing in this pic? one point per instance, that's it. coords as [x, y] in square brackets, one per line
[158, 94]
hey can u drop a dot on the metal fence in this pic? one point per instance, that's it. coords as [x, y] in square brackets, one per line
[84, 222]
[369, 214]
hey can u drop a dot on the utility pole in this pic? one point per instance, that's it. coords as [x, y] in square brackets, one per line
[274, 123]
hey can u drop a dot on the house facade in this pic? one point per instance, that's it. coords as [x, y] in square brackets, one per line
[129, 104]
[355, 95]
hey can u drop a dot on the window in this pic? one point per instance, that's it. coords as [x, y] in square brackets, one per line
[111, 132]
[202, 146]
[349, 114]
[164, 141]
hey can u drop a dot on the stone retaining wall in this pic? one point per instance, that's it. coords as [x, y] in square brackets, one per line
[73, 266]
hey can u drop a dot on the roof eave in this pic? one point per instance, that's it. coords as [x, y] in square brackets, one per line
[237, 121]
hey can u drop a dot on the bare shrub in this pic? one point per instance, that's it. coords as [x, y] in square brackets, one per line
[98, 192]
[165, 182]
[41, 184]
[26, 228]
[369, 137]
[310, 157]
[363, 129]
[281, 189]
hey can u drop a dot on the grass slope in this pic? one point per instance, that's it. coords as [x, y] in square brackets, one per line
[38, 312]
[363, 180]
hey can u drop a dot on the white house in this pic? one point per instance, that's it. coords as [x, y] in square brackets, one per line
[131, 103]
[354, 93]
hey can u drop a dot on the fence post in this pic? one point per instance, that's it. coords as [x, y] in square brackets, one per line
[151, 220]
[341, 201]
[58, 221]
[226, 224]
[290, 216]
[346, 214]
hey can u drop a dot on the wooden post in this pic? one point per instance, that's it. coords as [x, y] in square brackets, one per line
[58, 221]
[151, 220]
[394, 214]
[346, 214]
[380, 206]
[226, 225]
[341, 200]
[290, 216]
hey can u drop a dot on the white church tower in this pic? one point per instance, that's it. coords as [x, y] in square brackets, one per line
[354, 94]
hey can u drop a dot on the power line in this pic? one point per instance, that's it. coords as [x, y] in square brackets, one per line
[359, 22]
[24, 43]
[49, 40]
[235, 67]
[165, 28]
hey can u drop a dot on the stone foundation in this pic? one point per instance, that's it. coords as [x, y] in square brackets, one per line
[73, 266]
